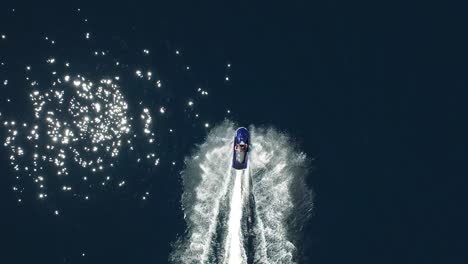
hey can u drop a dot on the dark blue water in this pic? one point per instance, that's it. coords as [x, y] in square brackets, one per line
[374, 93]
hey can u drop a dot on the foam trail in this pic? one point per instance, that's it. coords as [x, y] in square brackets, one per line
[282, 200]
[206, 179]
[264, 206]
[234, 251]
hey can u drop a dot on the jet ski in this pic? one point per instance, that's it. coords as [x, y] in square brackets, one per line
[241, 148]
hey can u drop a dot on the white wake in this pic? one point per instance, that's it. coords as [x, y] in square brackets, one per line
[249, 216]
[234, 251]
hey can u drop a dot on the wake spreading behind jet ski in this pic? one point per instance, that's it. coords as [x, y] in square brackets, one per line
[241, 148]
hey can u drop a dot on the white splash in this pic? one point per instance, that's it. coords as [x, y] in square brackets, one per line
[206, 179]
[234, 250]
[227, 210]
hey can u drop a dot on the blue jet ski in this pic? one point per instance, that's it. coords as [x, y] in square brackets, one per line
[241, 148]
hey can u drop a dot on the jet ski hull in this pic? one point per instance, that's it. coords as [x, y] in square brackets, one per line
[240, 158]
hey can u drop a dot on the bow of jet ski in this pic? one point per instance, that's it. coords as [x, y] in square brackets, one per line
[241, 148]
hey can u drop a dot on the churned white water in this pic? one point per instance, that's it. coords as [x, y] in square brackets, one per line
[234, 251]
[246, 216]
